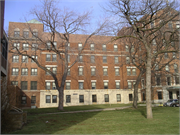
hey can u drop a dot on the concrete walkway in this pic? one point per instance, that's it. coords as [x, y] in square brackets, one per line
[94, 110]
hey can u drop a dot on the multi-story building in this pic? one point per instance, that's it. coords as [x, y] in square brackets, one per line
[4, 45]
[103, 74]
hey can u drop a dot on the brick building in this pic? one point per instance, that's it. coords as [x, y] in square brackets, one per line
[102, 75]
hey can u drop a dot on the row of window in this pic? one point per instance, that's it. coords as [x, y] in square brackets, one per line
[168, 80]
[25, 34]
[15, 59]
[24, 71]
[24, 85]
[167, 68]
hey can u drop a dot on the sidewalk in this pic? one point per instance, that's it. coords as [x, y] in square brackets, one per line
[94, 110]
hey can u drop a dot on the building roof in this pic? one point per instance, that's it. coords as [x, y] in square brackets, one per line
[34, 21]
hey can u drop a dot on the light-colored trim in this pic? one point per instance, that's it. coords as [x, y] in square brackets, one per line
[130, 67]
[50, 65]
[116, 67]
[93, 80]
[105, 80]
[49, 80]
[131, 80]
[117, 80]
[159, 90]
[105, 66]
[81, 66]
[80, 80]
[92, 66]
[68, 80]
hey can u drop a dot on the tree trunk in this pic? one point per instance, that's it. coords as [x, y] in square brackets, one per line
[148, 87]
[61, 98]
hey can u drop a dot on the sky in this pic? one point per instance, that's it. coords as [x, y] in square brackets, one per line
[17, 10]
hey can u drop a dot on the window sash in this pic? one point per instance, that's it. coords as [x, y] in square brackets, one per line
[128, 71]
[68, 98]
[129, 85]
[80, 71]
[104, 59]
[23, 100]
[33, 85]
[93, 59]
[106, 97]
[81, 98]
[48, 85]
[24, 85]
[94, 98]
[117, 85]
[48, 57]
[68, 85]
[24, 59]
[15, 71]
[133, 71]
[24, 71]
[54, 98]
[105, 85]
[54, 57]
[14, 83]
[118, 97]
[25, 47]
[33, 71]
[115, 48]
[105, 71]
[33, 99]
[15, 58]
[116, 71]
[26, 34]
[79, 47]
[93, 84]
[54, 70]
[158, 80]
[16, 34]
[93, 71]
[92, 47]
[104, 47]
[116, 60]
[48, 99]
[81, 85]
[35, 57]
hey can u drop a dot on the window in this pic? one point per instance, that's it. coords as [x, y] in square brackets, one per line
[104, 47]
[104, 59]
[33, 71]
[165, 55]
[127, 60]
[34, 57]
[25, 34]
[169, 80]
[24, 59]
[54, 70]
[14, 83]
[15, 71]
[69, 72]
[81, 98]
[115, 48]
[54, 98]
[16, 46]
[68, 85]
[24, 85]
[160, 95]
[48, 57]
[175, 68]
[93, 71]
[48, 85]
[93, 84]
[156, 67]
[34, 47]
[48, 68]
[92, 47]
[105, 71]
[127, 48]
[177, 26]
[94, 98]
[170, 25]
[153, 42]
[130, 97]
[53, 86]
[117, 85]
[35, 34]
[25, 46]
[174, 55]
[15, 58]
[68, 98]
[118, 96]
[55, 45]
[133, 71]
[128, 71]
[79, 47]
[24, 71]
[54, 57]
[92, 59]
[142, 83]
[164, 42]
[48, 99]
[16, 33]
[172, 44]
[158, 81]
[48, 45]
[132, 48]
[116, 71]
[68, 59]
[177, 80]
[23, 100]
[80, 85]
[80, 71]
[152, 24]
[167, 68]
[106, 97]
[33, 99]
[116, 61]
[105, 85]
[170, 95]
[80, 58]
[33, 85]
[129, 85]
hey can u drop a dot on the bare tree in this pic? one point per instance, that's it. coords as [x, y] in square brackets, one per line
[58, 25]
[148, 20]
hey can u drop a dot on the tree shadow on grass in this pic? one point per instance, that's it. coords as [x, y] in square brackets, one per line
[142, 110]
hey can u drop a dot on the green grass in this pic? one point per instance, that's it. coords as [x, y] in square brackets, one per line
[126, 121]
[74, 108]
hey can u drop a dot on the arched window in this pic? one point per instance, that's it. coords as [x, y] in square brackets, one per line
[16, 32]
[26, 33]
[35, 33]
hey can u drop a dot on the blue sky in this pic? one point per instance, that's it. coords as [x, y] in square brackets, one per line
[16, 10]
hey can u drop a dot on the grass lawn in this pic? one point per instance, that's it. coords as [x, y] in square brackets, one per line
[74, 108]
[126, 121]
